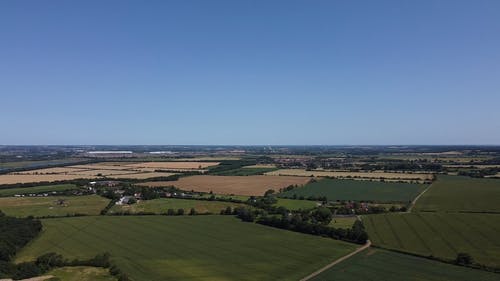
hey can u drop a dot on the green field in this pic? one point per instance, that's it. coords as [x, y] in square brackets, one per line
[188, 247]
[36, 189]
[36, 164]
[456, 193]
[292, 204]
[380, 265]
[160, 206]
[335, 189]
[242, 198]
[246, 171]
[81, 273]
[342, 222]
[49, 206]
[441, 235]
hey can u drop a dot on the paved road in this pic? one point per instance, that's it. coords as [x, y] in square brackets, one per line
[314, 274]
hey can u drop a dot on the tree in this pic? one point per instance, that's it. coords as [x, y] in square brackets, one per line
[228, 211]
[26, 270]
[170, 212]
[269, 192]
[192, 212]
[464, 259]
[180, 212]
[323, 215]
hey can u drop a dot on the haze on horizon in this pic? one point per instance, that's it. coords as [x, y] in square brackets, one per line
[250, 72]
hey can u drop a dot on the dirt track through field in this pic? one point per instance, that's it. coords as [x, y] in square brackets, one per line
[416, 198]
[314, 274]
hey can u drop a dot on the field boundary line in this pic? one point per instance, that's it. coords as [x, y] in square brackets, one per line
[418, 197]
[339, 260]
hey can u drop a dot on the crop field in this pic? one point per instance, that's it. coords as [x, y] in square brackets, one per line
[261, 166]
[335, 189]
[116, 170]
[20, 178]
[142, 175]
[35, 164]
[36, 189]
[388, 176]
[238, 185]
[188, 247]
[292, 204]
[380, 265]
[442, 235]
[160, 206]
[173, 165]
[244, 171]
[464, 194]
[81, 273]
[342, 222]
[52, 205]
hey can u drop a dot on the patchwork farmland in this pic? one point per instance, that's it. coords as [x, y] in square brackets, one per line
[111, 170]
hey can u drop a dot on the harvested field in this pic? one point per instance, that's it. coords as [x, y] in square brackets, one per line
[353, 175]
[173, 165]
[141, 176]
[240, 185]
[51, 171]
[14, 178]
[118, 170]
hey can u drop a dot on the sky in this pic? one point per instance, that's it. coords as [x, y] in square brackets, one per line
[250, 72]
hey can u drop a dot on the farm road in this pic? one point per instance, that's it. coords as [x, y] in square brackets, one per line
[339, 260]
[416, 198]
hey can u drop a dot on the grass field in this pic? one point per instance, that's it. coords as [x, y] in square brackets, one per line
[380, 265]
[239, 185]
[81, 273]
[188, 247]
[342, 222]
[242, 198]
[36, 189]
[48, 206]
[456, 193]
[160, 206]
[335, 189]
[439, 234]
[292, 204]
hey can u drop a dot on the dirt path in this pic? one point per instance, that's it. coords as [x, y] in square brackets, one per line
[416, 198]
[39, 278]
[339, 260]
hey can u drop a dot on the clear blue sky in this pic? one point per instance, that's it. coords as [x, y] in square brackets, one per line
[250, 72]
